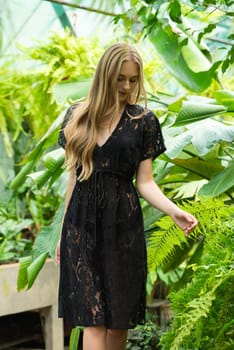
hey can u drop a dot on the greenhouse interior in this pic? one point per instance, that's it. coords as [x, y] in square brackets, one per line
[50, 54]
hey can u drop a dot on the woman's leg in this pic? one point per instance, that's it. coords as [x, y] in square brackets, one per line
[94, 338]
[116, 339]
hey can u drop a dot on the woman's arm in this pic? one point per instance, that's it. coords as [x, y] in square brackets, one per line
[150, 191]
[70, 187]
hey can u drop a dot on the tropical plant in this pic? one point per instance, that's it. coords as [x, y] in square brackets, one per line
[25, 117]
[13, 238]
[144, 336]
[202, 295]
[192, 164]
[60, 59]
[179, 42]
[199, 137]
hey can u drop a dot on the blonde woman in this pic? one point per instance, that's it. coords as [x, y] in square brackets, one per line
[108, 139]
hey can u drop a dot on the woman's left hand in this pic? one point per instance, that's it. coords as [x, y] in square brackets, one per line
[184, 220]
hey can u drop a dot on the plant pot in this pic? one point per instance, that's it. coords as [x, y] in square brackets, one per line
[42, 297]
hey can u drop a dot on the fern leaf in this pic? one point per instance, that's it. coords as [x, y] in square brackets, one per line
[197, 309]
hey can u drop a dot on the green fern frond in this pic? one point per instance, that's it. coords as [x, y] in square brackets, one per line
[198, 308]
[203, 307]
[163, 243]
[168, 244]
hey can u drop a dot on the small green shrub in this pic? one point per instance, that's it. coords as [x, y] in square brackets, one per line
[143, 337]
[203, 306]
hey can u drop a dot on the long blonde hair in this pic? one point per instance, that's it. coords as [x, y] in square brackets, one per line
[102, 102]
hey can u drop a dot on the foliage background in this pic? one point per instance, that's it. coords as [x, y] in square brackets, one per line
[187, 48]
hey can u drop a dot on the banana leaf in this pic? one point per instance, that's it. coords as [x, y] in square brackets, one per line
[203, 168]
[48, 237]
[192, 112]
[22, 279]
[42, 177]
[208, 133]
[188, 189]
[179, 62]
[32, 158]
[44, 246]
[50, 138]
[29, 270]
[34, 268]
[220, 182]
[53, 162]
[204, 135]
[54, 159]
[226, 98]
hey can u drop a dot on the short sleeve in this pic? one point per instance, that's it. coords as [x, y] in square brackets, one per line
[153, 142]
[68, 116]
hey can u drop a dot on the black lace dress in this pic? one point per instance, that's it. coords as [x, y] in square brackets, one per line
[103, 255]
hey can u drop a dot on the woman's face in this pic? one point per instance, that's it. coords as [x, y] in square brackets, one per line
[127, 81]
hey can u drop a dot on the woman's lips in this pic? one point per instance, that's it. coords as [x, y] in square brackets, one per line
[123, 93]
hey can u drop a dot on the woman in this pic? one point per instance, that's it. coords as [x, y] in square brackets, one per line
[108, 139]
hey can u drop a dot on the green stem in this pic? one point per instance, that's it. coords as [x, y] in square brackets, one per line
[90, 9]
[222, 41]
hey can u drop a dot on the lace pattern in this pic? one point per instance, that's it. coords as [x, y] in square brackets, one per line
[103, 255]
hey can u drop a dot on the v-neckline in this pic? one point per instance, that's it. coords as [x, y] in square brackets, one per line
[113, 131]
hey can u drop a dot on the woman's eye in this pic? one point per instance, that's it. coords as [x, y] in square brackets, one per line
[131, 80]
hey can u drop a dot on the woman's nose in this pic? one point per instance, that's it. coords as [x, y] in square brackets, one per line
[126, 85]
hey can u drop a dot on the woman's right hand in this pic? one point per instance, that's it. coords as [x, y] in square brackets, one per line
[57, 252]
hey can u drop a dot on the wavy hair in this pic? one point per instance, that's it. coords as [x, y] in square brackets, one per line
[102, 102]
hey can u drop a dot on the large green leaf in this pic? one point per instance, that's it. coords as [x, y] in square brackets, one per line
[40, 178]
[204, 168]
[54, 159]
[29, 270]
[32, 158]
[21, 176]
[22, 279]
[35, 267]
[189, 189]
[208, 133]
[204, 135]
[219, 183]
[179, 62]
[225, 97]
[176, 143]
[48, 237]
[53, 162]
[44, 245]
[62, 91]
[71, 91]
[192, 112]
[74, 338]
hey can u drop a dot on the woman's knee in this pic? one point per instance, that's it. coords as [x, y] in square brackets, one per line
[95, 331]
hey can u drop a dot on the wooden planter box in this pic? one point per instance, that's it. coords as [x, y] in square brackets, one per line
[42, 297]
